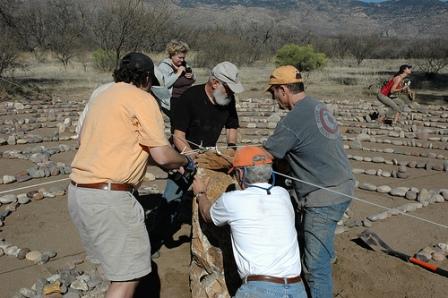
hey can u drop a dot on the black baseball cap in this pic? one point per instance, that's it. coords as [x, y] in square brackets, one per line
[138, 62]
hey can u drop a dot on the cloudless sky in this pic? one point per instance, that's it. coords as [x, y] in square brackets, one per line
[385, 0]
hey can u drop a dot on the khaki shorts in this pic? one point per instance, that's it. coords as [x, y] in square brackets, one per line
[112, 228]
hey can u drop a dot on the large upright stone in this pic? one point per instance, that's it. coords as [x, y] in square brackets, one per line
[211, 247]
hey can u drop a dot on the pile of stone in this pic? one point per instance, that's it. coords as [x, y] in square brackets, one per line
[67, 283]
[438, 253]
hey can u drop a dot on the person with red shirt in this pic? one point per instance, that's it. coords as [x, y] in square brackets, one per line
[389, 93]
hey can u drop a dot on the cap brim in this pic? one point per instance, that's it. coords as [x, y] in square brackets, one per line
[267, 88]
[236, 88]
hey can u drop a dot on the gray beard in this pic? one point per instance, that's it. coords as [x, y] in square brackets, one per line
[221, 99]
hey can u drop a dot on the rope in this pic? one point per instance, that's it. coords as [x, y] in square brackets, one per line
[337, 192]
[34, 185]
[364, 201]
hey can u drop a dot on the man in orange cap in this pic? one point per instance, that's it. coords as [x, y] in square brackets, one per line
[308, 138]
[261, 219]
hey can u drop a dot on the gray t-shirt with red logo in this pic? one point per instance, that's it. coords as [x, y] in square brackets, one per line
[308, 138]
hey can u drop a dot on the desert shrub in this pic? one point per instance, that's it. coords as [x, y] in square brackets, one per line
[8, 53]
[433, 56]
[104, 60]
[304, 57]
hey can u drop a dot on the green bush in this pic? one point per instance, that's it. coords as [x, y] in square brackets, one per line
[104, 60]
[303, 57]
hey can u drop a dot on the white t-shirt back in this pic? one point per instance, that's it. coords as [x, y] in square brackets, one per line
[264, 238]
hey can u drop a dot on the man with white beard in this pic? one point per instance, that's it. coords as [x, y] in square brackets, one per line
[199, 116]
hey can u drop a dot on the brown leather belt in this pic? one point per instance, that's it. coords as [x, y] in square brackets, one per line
[277, 280]
[105, 186]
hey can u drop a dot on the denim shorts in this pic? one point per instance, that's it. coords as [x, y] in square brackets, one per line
[112, 229]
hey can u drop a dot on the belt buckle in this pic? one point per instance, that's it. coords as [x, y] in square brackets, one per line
[107, 186]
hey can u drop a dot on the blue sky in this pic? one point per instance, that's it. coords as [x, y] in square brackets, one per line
[385, 0]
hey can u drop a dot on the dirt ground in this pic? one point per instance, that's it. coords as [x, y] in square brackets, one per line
[358, 271]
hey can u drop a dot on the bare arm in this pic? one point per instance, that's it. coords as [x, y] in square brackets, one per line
[167, 157]
[200, 190]
[180, 141]
[204, 207]
[232, 135]
[396, 87]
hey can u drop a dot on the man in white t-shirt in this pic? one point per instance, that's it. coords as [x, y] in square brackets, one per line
[261, 218]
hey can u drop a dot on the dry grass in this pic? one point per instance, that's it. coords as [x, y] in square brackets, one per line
[342, 79]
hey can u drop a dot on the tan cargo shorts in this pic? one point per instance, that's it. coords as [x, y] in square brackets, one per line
[112, 228]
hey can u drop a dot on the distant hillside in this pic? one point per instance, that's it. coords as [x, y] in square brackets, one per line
[406, 18]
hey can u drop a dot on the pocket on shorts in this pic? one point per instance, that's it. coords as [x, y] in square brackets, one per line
[129, 209]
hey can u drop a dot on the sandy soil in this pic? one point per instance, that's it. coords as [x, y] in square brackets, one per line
[358, 271]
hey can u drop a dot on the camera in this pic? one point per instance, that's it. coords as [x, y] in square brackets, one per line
[187, 68]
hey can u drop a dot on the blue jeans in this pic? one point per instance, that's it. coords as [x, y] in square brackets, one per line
[317, 228]
[172, 191]
[263, 289]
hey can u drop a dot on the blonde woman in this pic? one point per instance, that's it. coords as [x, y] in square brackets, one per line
[177, 73]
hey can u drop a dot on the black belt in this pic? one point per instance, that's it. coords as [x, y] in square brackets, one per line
[277, 280]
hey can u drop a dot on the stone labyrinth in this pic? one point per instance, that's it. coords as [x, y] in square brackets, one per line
[387, 162]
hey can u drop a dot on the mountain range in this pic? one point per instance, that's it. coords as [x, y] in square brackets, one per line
[393, 18]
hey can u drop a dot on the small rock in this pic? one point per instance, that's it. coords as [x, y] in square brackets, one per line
[9, 198]
[424, 195]
[399, 191]
[50, 253]
[443, 247]
[437, 167]
[367, 223]
[79, 285]
[402, 175]
[412, 164]
[383, 189]
[12, 251]
[38, 196]
[386, 174]
[438, 257]
[371, 172]
[367, 186]
[358, 171]
[339, 230]
[54, 278]
[72, 293]
[44, 259]
[22, 253]
[27, 292]
[394, 211]
[34, 256]
[411, 195]
[23, 198]
[52, 288]
[437, 198]
[378, 159]
[379, 216]
[444, 194]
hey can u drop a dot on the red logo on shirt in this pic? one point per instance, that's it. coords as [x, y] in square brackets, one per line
[326, 122]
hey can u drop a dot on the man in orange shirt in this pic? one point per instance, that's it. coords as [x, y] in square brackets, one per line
[122, 131]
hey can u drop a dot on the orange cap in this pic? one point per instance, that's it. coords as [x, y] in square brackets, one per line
[249, 157]
[282, 75]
